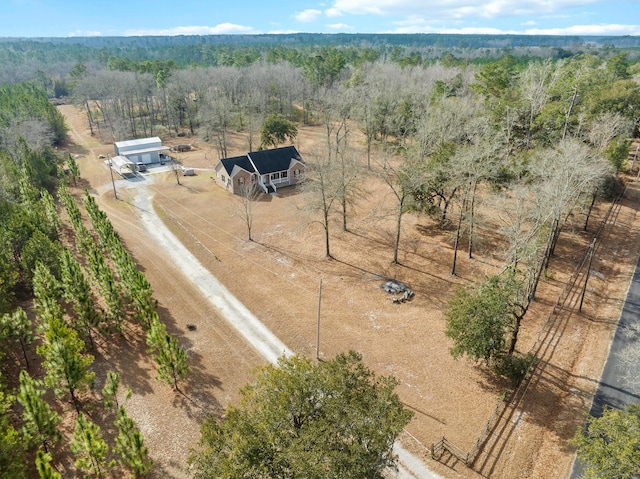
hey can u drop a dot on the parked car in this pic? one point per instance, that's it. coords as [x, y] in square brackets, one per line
[141, 167]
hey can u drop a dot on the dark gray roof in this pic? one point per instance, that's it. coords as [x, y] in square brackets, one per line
[265, 161]
[242, 161]
[276, 159]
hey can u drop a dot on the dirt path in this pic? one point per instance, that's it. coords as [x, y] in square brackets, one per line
[220, 360]
[245, 322]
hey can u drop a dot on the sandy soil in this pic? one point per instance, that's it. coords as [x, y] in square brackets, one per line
[277, 278]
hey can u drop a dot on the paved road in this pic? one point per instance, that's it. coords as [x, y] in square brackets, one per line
[620, 381]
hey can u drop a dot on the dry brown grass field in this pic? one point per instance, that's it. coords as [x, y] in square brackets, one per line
[277, 277]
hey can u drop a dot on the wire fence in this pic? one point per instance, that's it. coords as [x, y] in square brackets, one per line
[544, 345]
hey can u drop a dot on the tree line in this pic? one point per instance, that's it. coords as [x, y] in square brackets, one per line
[85, 288]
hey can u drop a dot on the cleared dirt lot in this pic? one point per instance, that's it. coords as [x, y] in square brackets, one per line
[277, 277]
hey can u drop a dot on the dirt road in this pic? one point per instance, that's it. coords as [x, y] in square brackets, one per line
[220, 359]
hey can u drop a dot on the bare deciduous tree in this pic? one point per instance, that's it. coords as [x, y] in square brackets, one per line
[565, 175]
[249, 194]
[321, 189]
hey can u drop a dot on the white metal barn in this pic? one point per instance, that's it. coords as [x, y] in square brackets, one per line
[143, 150]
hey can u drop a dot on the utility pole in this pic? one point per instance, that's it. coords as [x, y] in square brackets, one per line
[175, 168]
[592, 249]
[113, 183]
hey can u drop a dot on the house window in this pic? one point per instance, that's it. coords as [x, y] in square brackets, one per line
[275, 176]
[241, 181]
[284, 174]
[223, 178]
[296, 173]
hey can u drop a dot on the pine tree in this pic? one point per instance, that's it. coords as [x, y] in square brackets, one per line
[64, 362]
[47, 293]
[130, 445]
[39, 420]
[136, 286]
[172, 361]
[170, 358]
[11, 444]
[90, 448]
[51, 211]
[110, 389]
[45, 471]
[18, 326]
[77, 290]
[156, 333]
[74, 170]
[109, 289]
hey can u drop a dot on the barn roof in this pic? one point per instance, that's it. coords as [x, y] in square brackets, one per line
[141, 142]
[145, 150]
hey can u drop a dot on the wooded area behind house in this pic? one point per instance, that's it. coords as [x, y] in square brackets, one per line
[534, 131]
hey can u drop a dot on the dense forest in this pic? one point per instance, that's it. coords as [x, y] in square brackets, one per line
[548, 118]
[22, 59]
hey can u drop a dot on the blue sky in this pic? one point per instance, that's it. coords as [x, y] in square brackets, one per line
[63, 18]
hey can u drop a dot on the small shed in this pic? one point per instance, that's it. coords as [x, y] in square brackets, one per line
[142, 150]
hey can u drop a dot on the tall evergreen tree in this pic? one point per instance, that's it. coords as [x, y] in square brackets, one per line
[74, 169]
[18, 326]
[130, 445]
[40, 422]
[77, 290]
[12, 447]
[90, 448]
[169, 356]
[64, 362]
[110, 389]
[47, 293]
[45, 471]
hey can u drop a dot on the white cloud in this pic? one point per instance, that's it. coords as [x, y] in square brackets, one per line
[340, 26]
[452, 9]
[419, 25]
[85, 33]
[425, 28]
[220, 29]
[605, 29]
[333, 12]
[282, 32]
[578, 17]
[308, 15]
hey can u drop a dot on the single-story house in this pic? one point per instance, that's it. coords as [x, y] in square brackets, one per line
[142, 150]
[268, 169]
